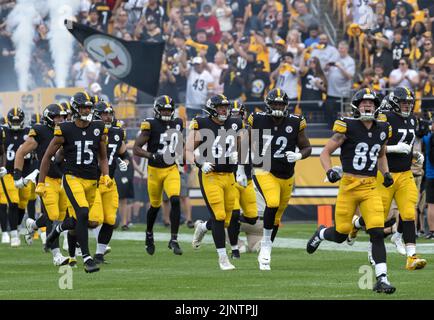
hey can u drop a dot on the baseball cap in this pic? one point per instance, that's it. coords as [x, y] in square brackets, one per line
[197, 60]
[281, 42]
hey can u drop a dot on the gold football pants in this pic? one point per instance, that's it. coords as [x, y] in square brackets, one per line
[168, 179]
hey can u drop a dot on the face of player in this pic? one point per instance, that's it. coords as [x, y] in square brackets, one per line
[58, 119]
[366, 107]
[278, 106]
[405, 106]
[107, 117]
[166, 113]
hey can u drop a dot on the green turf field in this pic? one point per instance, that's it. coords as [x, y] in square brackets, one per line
[28, 273]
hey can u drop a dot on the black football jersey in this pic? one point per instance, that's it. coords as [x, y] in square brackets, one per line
[12, 141]
[272, 140]
[221, 138]
[403, 130]
[359, 152]
[164, 138]
[43, 136]
[81, 148]
[115, 138]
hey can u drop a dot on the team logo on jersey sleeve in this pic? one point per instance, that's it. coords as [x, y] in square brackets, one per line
[412, 122]
[234, 126]
[383, 135]
[96, 132]
[288, 129]
[117, 137]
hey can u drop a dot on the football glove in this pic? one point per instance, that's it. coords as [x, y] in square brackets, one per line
[419, 158]
[233, 158]
[207, 167]
[108, 182]
[123, 166]
[292, 156]
[3, 172]
[241, 176]
[333, 175]
[157, 157]
[40, 189]
[399, 148]
[20, 183]
[388, 179]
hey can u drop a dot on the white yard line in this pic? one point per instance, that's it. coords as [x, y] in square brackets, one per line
[291, 243]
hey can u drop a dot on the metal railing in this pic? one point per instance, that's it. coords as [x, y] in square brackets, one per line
[327, 24]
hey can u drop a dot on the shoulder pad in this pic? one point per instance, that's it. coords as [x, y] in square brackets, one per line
[145, 125]
[340, 126]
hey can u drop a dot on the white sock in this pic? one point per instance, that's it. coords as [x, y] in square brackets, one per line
[14, 234]
[357, 224]
[222, 252]
[380, 268]
[411, 249]
[267, 235]
[321, 234]
[87, 258]
[96, 231]
[55, 251]
[397, 234]
[100, 248]
[235, 247]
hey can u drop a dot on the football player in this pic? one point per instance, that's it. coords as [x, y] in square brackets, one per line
[362, 140]
[54, 202]
[3, 200]
[404, 191]
[279, 134]
[15, 134]
[116, 149]
[162, 134]
[216, 166]
[84, 147]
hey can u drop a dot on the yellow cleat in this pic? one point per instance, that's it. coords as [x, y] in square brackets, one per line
[415, 263]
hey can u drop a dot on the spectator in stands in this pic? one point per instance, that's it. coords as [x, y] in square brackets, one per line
[125, 98]
[154, 9]
[85, 71]
[96, 90]
[426, 53]
[152, 33]
[223, 13]
[209, 23]
[403, 76]
[304, 20]
[286, 77]
[325, 52]
[231, 79]
[339, 75]
[426, 85]
[257, 84]
[313, 35]
[204, 47]
[93, 20]
[294, 45]
[400, 48]
[134, 8]
[313, 86]
[216, 68]
[167, 79]
[121, 24]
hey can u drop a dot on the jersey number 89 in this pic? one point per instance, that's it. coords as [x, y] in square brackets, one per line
[361, 158]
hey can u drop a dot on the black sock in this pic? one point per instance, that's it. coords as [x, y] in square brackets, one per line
[50, 226]
[274, 233]
[72, 240]
[400, 228]
[362, 222]
[105, 234]
[31, 209]
[81, 230]
[4, 217]
[331, 234]
[408, 232]
[175, 215]
[378, 248]
[150, 218]
[234, 228]
[13, 216]
[42, 221]
[269, 216]
[218, 233]
[209, 224]
[21, 213]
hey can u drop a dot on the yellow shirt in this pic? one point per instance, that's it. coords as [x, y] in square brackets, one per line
[261, 53]
[126, 97]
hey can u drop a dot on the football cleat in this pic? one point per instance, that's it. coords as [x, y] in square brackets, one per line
[235, 254]
[108, 249]
[415, 263]
[150, 246]
[174, 245]
[28, 238]
[72, 262]
[5, 237]
[315, 241]
[396, 239]
[225, 264]
[383, 286]
[30, 231]
[60, 260]
[15, 242]
[99, 259]
[198, 234]
[90, 266]
[353, 234]
[264, 257]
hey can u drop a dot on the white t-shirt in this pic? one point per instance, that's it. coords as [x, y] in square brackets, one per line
[197, 88]
[225, 22]
[338, 85]
[216, 72]
[288, 82]
[397, 74]
[85, 73]
[359, 9]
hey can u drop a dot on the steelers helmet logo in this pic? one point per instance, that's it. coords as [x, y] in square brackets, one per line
[178, 127]
[383, 135]
[288, 129]
[412, 122]
[96, 132]
[25, 137]
[111, 53]
[117, 137]
[234, 126]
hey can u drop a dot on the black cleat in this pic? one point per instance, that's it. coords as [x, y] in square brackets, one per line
[174, 245]
[150, 246]
[235, 254]
[90, 266]
[315, 241]
[99, 259]
[383, 287]
[72, 262]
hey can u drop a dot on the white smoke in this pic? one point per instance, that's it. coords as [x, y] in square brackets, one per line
[61, 41]
[21, 22]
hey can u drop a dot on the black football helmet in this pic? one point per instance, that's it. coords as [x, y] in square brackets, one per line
[35, 119]
[2, 121]
[212, 104]
[399, 95]
[277, 97]
[104, 107]
[359, 96]
[164, 103]
[422, 128]
[238, 109]
[79, 100]
[16, 118]
[51, 111]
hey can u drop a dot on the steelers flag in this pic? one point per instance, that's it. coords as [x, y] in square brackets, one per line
[136, 63]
